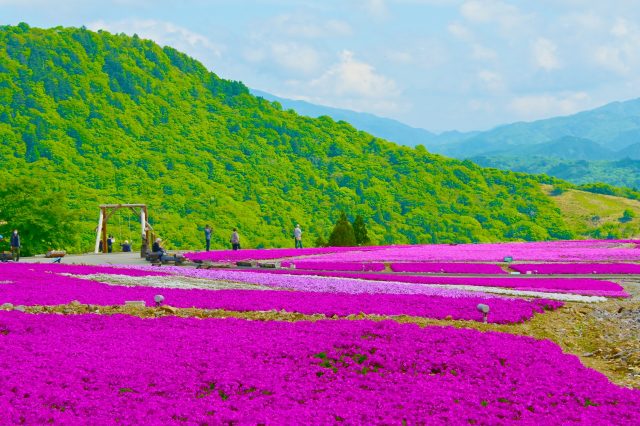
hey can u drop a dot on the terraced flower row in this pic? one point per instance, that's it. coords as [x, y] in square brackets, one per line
[434, 267]
[578, 268]
[267, 254]
[127, 370]
[26, 286]
[584, 286]
[550, 251]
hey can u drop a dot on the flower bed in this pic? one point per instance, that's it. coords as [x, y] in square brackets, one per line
[548, 251]
[585, 286]
[448, 268]
[269, 254]
[578, 268]
[17, 269]
[43, 288]
[319, 265]
[125, 370]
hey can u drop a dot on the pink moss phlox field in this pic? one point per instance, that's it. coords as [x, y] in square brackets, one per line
[321, 284]
[548, 251]
[28, 287]
[268, 254]
[57, 268]
[578, 268]
[90, 369]
[551, 251]
[583, 286]
[319, 265]
[447, 268]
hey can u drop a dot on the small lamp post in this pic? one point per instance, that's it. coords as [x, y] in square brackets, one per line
[158, 298]
[485, 311]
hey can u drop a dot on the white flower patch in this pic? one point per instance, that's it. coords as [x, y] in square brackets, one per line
[553, 296]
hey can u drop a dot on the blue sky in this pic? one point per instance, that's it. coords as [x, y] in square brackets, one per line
[436, 64]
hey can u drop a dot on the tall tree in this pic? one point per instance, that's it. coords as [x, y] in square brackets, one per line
[38, 213]
[342, 234]
[360, 231]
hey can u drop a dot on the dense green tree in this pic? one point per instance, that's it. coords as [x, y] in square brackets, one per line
[627, 216]
[320, 242]
[342, 234]
[360, 231]
[40, 215]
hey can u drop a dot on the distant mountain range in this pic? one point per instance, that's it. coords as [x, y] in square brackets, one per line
[613, 127]
[385, 128]
[604, 141]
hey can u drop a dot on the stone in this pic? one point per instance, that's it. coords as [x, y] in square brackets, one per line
[6, 306]
[135, 303]
[20, 308]
[169, 309]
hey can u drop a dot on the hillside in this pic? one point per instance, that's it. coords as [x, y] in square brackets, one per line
[110, 118]
[541, 147]
[598, 215]
[624, 173]
[385, 128]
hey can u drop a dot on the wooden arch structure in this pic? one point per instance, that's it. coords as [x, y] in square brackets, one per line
[106, 210]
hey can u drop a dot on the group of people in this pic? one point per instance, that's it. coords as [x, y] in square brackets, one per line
[14, 243]
[235, 238]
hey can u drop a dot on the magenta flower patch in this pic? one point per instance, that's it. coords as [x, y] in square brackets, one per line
[90, 369]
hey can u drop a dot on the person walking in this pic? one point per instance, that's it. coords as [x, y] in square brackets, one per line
[297, 236]
[15, 245]
[207, 237]
[235, 240]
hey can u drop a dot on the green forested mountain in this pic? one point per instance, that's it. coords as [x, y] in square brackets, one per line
[110, 118]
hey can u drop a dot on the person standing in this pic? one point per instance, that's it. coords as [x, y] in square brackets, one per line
[235, 240]
[15, 245]
[297, 236]
[110, 242]
[207, 237]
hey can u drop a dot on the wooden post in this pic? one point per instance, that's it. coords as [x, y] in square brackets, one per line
[145, 228]
[104, 229]
[98, 233]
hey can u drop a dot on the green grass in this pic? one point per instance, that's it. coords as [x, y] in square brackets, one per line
[591, 214]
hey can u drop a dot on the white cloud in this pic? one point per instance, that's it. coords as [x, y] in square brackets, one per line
[585, 21]
[296, 57]
[544, 54]
[622, 54]
[483, 53]
[492, 81]
[477, 105]
[506, 15]
[377, 8]
[163, 33]
[460, 31]
[613, 58]
[533, 107]
[297, 25]
[353, 77]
